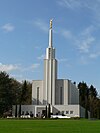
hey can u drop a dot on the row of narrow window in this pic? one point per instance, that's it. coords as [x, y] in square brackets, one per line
[27, 113]
[69, 112]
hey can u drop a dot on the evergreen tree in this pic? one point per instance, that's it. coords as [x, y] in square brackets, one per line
[26, 93]
[15, 111]
[83, 94]
[46, 112]
[49, 111]
[6, 99]
[19, 113]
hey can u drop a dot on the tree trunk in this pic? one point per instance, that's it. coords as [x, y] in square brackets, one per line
[15, 111]
[49, 111]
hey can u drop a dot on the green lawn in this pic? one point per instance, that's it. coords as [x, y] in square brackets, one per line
[49, 126]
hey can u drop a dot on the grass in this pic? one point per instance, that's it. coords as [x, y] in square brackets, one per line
[49, 126]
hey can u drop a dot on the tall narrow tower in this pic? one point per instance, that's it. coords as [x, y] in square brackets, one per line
[50, 72]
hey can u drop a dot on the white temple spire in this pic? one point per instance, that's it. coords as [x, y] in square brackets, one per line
[50, 51]
[51, 23]
[50, 34]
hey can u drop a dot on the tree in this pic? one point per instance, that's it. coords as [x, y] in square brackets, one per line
[92, 91]
[23, 93]
[89, 100]
[46, 112]
[6, 98]
[83, 93]
[49, 111]
[26, 93]
[12, 92]
[9, 93]
[19, 113]
[83, 96]
[16, 111]
[98, 108]
[92, 100]
[16, 91]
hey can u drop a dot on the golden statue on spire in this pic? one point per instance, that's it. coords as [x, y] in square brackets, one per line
[51, 23]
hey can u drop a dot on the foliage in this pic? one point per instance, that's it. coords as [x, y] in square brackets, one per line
[12, 92]
[49, 111]
[6, 95]
[46, 112]
[89, 100]
[26, 93]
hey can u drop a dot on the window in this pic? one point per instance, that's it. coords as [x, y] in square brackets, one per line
[49, 53]
[71, 112]
[67, 112]
[37, 95]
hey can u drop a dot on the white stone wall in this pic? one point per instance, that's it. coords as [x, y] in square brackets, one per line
[73, 94]
[24, 108]
[59, 84]
[45, 84]
[50, 75]
[70, 93]
[35, 84]
[54, 77]
[65, 86]
[69, 110]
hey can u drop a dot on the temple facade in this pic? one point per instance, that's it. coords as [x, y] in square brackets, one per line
[61, 94]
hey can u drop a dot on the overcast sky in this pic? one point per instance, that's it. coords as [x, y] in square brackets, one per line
[24, 26]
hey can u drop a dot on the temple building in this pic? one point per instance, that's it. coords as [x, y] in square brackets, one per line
[61, 94]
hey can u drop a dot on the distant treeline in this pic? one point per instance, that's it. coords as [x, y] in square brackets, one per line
[89, 99]
[13, 92]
